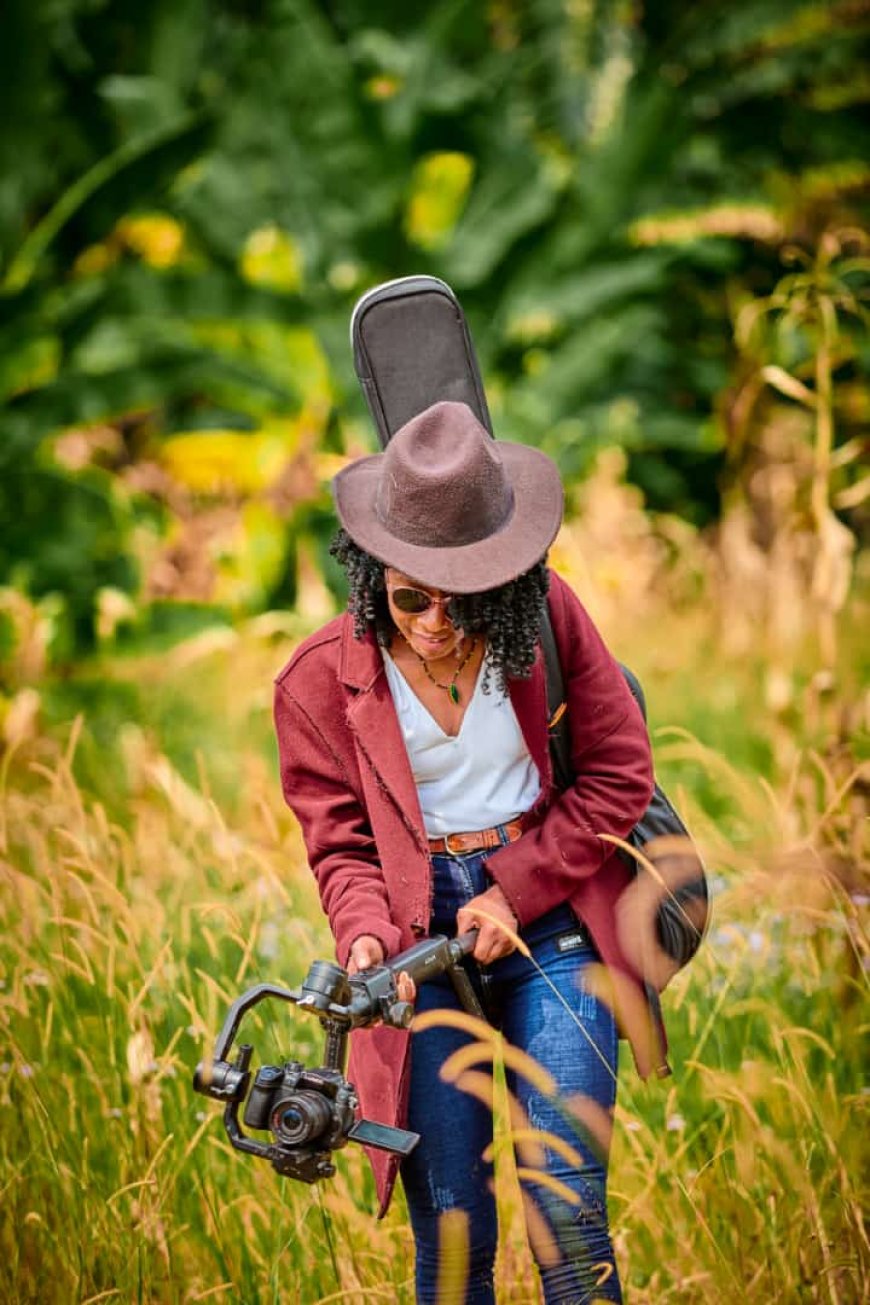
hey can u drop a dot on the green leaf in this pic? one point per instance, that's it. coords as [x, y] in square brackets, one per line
[161, 153]
[504, 205]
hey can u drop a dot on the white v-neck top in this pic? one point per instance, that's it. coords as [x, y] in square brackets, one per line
[482, 777]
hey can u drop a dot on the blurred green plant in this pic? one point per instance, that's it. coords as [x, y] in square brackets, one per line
[193, 194]
[795, 418]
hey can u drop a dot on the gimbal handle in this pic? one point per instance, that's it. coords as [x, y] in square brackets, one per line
[374, 990]
[348, 1002]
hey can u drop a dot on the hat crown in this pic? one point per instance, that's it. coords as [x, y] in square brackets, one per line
[442, 483]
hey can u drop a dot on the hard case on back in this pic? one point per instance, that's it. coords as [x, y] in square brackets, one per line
[412, 348]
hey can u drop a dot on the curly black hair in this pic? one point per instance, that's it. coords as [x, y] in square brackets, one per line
[509, 617]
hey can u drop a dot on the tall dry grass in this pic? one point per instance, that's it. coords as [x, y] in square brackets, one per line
[140, 893]
[125, 938]
[123, 942]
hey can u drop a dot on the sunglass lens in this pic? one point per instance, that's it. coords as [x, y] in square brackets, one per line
[411, 601]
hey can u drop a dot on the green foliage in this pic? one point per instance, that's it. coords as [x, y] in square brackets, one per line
[172, 167]
[80, 548]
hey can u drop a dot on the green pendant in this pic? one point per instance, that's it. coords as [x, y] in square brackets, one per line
[453, 694]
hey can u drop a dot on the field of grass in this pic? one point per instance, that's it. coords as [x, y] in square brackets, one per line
[149, 872]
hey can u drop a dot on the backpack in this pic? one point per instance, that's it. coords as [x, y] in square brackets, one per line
[660, 836]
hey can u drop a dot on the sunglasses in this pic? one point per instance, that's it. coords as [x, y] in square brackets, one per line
[413, 602]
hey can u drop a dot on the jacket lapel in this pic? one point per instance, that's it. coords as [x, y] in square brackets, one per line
[529, 699]
[372, 717]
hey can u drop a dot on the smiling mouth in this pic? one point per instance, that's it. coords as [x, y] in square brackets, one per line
[433, 642]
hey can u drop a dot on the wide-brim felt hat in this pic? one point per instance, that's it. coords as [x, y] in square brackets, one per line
[450, 506]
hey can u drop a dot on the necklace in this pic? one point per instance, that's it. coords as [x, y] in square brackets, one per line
[450, 689]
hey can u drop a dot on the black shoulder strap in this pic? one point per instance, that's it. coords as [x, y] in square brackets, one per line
[558, 726]
[557, 706]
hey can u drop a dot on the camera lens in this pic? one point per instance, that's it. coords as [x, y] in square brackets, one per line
[300, 1117]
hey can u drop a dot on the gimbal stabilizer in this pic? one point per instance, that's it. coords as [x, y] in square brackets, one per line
[311, 1112]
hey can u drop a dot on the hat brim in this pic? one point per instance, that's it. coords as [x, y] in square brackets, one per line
[468, 568]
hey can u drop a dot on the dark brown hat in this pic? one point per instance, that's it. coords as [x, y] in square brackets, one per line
[449, 505]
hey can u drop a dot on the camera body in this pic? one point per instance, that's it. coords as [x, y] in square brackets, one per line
[309, 1112]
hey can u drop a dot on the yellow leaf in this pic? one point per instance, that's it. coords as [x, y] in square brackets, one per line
[214, 461]
[272, 258]
[789, 385]
[438, 193]
[157, 238]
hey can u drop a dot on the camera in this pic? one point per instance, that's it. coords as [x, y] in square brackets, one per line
[310, 1113]
[296, 1105]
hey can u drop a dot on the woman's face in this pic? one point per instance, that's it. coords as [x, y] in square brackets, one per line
[430, 633]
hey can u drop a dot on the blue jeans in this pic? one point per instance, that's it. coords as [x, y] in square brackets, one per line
[568, 1229]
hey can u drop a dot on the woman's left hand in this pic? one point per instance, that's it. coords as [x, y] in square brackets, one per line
[490, 913]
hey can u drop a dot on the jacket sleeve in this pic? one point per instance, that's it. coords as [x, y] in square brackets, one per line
[338, 838]
[613, 767]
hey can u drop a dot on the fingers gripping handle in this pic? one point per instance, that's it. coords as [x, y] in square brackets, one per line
[442, 956]
[374, 991]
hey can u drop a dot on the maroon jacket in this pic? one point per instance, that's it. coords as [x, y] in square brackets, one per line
[346, 775]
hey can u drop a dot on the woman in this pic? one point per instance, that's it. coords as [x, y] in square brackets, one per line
[413, 740]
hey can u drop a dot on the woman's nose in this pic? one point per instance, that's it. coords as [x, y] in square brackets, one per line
[435, 616]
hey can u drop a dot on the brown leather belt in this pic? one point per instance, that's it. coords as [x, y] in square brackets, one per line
[477, 839]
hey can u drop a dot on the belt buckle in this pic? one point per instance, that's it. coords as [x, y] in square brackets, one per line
[447, 848]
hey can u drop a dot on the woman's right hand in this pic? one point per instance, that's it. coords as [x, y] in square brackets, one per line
[366, 952]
